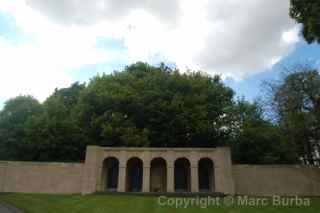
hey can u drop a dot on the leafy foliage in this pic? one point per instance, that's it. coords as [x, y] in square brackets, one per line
[307, 12]
[54, 135]
[149, 106]
[140, 106]
[296, 101]
[13, 118]
[259, 141]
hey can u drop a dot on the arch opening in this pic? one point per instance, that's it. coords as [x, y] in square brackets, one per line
[182, 175]
[206, 175]
[134, 175]
[110, 174]
[158, 175]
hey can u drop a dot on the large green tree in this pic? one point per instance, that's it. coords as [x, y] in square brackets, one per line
[53, 134]
[296, 101]
[145, 105]
[307, 12]
[155, 106]
[13, 118]
[258, 141]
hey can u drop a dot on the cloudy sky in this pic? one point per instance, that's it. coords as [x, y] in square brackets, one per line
[46, 44]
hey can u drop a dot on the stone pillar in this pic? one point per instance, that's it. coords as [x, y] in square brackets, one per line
[146, 178]
[223, 172]
[218, 177]
[170, 177]
[194, 178]
[122, 178]
[90, 170]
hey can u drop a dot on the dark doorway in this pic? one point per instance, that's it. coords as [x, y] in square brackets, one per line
[158, 175]
[206, 175]
[182, 175]
[110, 174]
[134, 175]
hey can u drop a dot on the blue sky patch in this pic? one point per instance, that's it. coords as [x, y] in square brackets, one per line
[9, 29]
[86, 72]
[109, 43]
[251, 87]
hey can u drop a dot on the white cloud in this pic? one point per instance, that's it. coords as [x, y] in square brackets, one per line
[25, 70]
[246, 36]
[232, 37]
[88, 12]
[292, 35]
[44, 63]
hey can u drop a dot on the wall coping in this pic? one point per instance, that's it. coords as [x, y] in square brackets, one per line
[274, 166]
[159, 148]
[41, 163]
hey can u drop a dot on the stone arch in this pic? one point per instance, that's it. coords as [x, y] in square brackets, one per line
[134, 177]
[206, 175]
[158, 175]
[110, 174]
[182, 172]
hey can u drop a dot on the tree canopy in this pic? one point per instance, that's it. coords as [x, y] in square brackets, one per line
[13, 119]
[149, 106]
[141, 106]
[295, 100]
[307, 12]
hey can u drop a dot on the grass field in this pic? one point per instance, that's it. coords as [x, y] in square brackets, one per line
[43, 203]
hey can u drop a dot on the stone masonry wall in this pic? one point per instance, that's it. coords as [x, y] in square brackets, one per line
[268, 180]
[40, 177]
[68, 178]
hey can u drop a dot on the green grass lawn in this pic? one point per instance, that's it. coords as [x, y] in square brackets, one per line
[43, 203]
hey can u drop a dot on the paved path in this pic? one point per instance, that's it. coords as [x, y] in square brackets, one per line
[6, 208]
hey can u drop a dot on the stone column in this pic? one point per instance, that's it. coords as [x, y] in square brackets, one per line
[122, 171]
[122, 179]
[223, 172]
[146, 178]
[170, 177]
[218, 179]
[194, 178]
[90, 170]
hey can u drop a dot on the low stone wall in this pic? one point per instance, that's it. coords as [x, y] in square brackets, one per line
[3, 167]
[268, 180]
[40, 177]
[67, 178]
